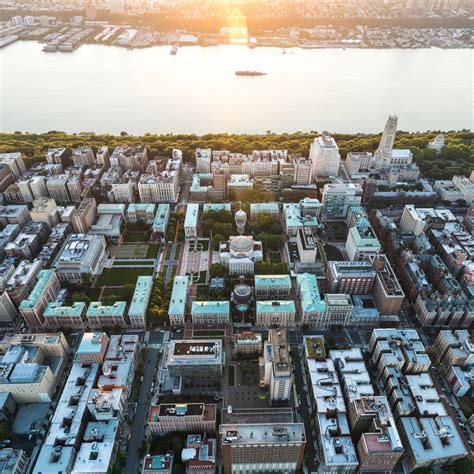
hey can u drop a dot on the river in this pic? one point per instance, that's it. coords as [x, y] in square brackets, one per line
[110, 89]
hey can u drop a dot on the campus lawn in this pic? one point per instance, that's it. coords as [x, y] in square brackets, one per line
[121, 276]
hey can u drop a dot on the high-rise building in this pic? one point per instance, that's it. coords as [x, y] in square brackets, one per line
[129, 157]
[302, 171]
[324, 156]
[338, 198]
[277, 353]
[203, 160]
[15, 162]
[45, 210]
[384, 150]
[355, 278]
[8, 311]
[387, 292]
[83, 156]
[23, 280]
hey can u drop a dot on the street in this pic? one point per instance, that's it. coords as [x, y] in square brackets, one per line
[132, 465]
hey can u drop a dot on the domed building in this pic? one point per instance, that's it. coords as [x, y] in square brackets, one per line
[240, 253]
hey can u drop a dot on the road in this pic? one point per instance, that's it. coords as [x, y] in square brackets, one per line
[305, 411]
[132, 465]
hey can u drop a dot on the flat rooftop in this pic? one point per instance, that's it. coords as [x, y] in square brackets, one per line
[141, 295]
[257, 433]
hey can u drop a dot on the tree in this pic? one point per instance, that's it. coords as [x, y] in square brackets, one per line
[5, 430]
[80, 297]
[218, 270]
[216, 240]
[462, 466]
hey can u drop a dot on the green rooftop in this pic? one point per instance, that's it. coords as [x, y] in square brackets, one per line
[144, 207]
[310, 297]
[44, 277]
[276, 306]
[96, 308]
[210, 307]
[56, 309]
[179, 295]
[141, 296]
[272, 280]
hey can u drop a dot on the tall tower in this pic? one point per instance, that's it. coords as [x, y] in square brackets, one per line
[384, 151]
[240, 221]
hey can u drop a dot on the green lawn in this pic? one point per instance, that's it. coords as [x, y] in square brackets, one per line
[121, 276]
[152, 251]
[208, 333]
[141, 236]
[134, 262]
[231, 375]
[467, 405]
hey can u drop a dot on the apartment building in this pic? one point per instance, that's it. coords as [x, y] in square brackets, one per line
[15, 163]
[203, 160]
[131, 157]
[14, 214]
[8, 311]
[59, 450]
[338, 309]
[23, 280]
[92, 348]
[324, 156]
[32, 188]
[387, 291]
[83, 156]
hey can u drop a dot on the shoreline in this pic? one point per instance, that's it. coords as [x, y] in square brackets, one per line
[257, 46]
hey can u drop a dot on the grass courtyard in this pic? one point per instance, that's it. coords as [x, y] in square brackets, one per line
[121, 276]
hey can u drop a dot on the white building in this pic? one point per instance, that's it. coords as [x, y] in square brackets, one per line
[210, 312]
[203, 160]
[240, 253]
[362, 242]
[191, 221]
[279, 313]
[81, 254]
[277, 354]
[324, 156]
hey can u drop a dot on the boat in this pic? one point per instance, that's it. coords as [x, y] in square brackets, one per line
[250, 73]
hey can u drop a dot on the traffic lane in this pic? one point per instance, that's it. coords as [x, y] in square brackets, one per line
[305, 414]
[451, 412]
[132, 464]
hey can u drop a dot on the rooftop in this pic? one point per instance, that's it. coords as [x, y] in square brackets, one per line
[276, 306]
[179, 295]
[210, 307]
[310, 298]
[259, 433]
[96, 308]
[44, 278]
[141, 295]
